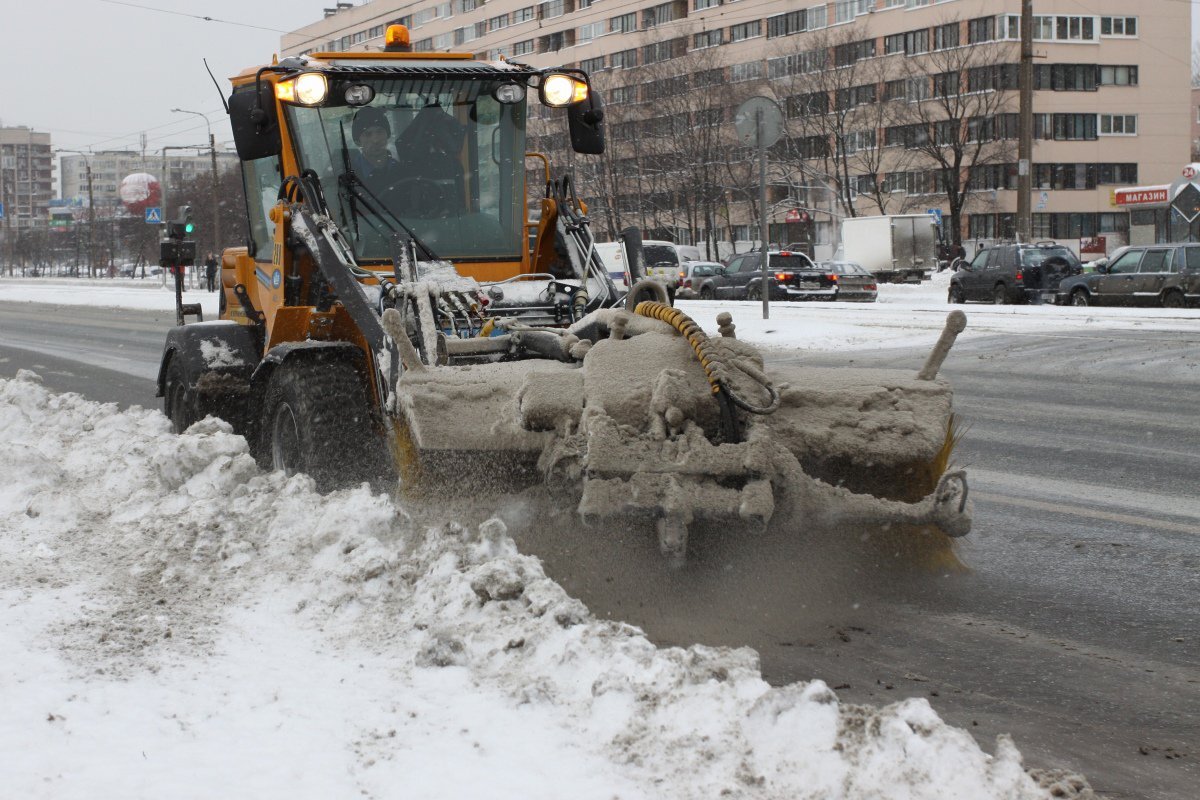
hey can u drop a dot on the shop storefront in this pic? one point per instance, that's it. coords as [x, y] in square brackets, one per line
[1166, 212]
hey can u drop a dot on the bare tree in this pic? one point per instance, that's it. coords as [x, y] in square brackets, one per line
[965, 123]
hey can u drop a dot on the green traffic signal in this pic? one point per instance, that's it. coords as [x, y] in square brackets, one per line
[189, 227]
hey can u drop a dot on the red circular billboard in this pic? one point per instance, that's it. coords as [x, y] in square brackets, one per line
[139, 191]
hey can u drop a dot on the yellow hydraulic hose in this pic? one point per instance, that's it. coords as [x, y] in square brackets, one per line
[714, 368]
[688, 328]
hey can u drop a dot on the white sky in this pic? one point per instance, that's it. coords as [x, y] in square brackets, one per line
[97, 74]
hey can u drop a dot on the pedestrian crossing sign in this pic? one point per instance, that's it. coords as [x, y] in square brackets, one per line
[154, 215]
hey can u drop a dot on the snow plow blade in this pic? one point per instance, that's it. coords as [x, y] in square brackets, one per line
[644, 416]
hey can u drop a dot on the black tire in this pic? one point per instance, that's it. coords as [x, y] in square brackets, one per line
[179, 397]
[316, 420]
[1174, 299]
[706, 293]
[1000, 294]
[754, 292]
[956, 295]
[1080, 297]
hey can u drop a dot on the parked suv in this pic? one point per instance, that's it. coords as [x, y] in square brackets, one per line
[1014, 273]
[1165, 275]
[793, 276]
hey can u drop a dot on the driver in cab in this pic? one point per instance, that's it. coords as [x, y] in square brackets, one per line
[429, 171]
[373, 162]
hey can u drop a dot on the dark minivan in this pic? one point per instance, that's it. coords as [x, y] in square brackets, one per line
[1166, 275]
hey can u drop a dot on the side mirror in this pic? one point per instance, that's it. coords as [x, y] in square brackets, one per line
[719, 271]
[254, 122]
[585, 120]
[1102, 268]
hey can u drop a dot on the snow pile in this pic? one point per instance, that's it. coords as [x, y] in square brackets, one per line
[177, 623]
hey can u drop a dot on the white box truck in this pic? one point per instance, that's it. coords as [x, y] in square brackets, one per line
[897, 248]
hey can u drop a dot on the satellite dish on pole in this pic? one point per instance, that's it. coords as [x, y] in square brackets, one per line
[745, 122]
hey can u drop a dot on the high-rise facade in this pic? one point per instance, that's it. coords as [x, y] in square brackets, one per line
[26, 177]
[892, 106]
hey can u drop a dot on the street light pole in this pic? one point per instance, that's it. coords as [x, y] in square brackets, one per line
[212, 151]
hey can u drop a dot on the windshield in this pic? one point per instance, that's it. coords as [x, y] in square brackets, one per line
[442, 156]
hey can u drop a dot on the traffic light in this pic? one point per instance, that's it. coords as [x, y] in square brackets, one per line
[182, 226]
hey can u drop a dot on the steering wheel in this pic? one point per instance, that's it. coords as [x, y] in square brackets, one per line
[421, 197]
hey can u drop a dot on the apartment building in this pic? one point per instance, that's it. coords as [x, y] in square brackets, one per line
[864, 85]
[110, 167]
[26, 177]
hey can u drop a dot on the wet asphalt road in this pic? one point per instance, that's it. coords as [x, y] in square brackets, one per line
[1077, 628]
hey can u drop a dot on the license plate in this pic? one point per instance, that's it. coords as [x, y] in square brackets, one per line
[807, 285]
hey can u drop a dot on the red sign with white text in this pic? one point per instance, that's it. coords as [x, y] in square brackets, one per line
[1133, 197]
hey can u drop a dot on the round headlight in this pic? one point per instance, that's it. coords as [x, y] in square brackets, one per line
[311, 88]
[359, 95]
[562, 90]
[509, 93]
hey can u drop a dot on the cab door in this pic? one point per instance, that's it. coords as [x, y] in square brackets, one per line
[1116, 287]
[973, 277]
[747, 270]
[724, 283]
[1152, 273]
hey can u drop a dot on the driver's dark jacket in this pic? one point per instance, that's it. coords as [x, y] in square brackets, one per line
[377, 177]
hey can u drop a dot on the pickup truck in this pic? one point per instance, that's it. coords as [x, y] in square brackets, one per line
[793, 276]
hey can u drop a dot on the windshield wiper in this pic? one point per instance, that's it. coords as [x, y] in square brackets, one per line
[358, 189]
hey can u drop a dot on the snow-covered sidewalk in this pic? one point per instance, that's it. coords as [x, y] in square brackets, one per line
[176, 623]
[905, 315]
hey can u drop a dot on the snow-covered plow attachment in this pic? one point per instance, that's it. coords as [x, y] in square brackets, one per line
[641, 415]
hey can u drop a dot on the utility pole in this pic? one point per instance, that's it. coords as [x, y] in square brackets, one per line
[1025, 127]
[91, 221]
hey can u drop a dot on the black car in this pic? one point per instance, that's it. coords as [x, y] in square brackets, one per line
[1014, 273]
[1166, 275]
[793, 276]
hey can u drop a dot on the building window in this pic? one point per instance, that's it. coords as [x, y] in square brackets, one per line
[664, 12]
[747, 30]
[846, 54]
[591, 65]
[626, 23]
[522, 48]
[1118, 124]
[945, 36]
[498, 22]
[706, 39]
[1118, 75]
[662, 51]
[843, 11]
[893, 44]
[1118, 26]
[749, 71]
[625, 59]
[551, 9]
[701, 5]
[593, 30]
[817, 18]
[1064, 29]
[1065, 127]
[523, 15]
[916, 42]
[1066, 77]
[981, 30]
[785, 24]
[994, 77]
